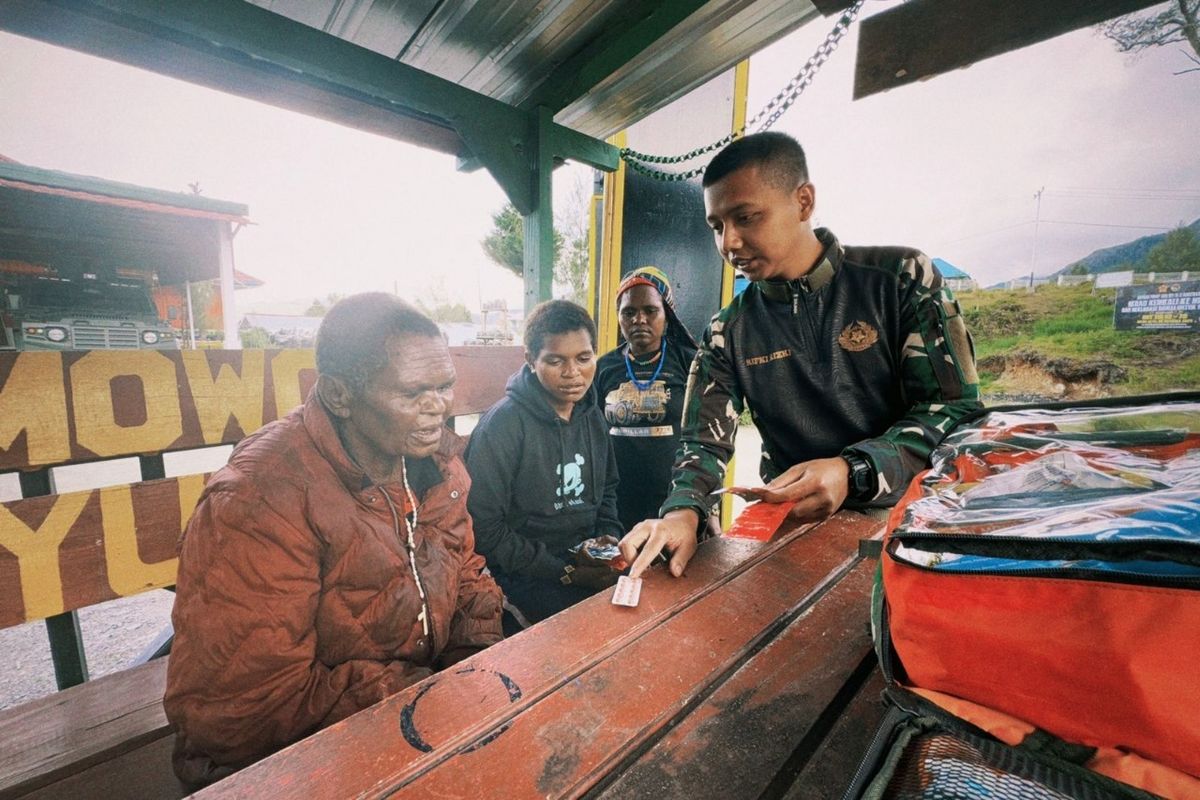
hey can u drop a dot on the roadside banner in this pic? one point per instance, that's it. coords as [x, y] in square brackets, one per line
[1158, 306]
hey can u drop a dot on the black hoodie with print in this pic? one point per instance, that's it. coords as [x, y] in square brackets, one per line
[539, 484]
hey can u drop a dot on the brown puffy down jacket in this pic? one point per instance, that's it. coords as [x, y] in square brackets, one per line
[296, 604]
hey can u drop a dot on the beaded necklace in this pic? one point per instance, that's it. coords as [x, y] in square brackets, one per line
[646, 384]
[409, 526]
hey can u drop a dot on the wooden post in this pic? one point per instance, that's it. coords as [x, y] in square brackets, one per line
[539, 222]
[66, 640]
[187, 288]
[228, 307]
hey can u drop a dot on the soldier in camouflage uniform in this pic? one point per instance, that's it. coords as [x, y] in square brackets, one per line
[854, 361]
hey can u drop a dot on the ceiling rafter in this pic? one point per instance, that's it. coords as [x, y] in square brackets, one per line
[577, 75]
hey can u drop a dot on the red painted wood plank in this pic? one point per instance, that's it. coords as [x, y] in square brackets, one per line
[571, 739]
[470, 713]
[734, 743]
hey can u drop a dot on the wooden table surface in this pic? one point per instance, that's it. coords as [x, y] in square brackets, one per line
[751, 676]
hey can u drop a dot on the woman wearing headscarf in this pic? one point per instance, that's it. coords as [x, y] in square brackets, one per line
[640, 386]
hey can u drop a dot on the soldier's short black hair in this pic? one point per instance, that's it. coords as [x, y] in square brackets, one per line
[779, 157]
[352, 339]
[552, 318]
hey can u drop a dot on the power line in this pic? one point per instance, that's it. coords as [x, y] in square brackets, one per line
[1037, 218]
[1103, 190]
[1106, 225]
[988, 232]
[1086, 194]
[1053, 222]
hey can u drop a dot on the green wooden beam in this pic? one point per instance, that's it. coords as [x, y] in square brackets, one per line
[575, 146]
[957, 33]
[577, 75]
[539, 220]
[66, 650]
[830, 7]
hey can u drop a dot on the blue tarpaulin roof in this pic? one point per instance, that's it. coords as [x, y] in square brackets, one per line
[948, 270]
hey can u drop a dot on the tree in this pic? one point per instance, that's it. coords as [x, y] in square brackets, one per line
[1177, 22]
[1179, 251]
[1078, 268]
[505, 244]
[571, 262]
[445, 311]
[255, 339]
[320, 308]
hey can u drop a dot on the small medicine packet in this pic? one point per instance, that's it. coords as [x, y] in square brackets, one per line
[601, 551]
[744, 492]
[627, 592]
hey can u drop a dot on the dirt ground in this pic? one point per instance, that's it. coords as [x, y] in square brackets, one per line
[115, 633]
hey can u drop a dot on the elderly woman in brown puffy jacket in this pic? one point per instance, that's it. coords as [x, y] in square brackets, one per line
[332, 561]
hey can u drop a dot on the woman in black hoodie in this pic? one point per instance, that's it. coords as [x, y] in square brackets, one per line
[543, 473]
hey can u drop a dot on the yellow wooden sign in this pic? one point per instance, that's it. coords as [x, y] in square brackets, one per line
[84, 405]
[63, 552]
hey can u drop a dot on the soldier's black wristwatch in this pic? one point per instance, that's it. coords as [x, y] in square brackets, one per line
[862, 481]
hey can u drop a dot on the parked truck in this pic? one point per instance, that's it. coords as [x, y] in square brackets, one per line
[48, 312]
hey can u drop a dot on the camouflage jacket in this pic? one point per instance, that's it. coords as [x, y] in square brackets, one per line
[867, 353]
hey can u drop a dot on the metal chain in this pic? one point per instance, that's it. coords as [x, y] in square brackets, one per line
[768, 115]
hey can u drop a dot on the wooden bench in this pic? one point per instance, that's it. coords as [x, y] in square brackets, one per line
[62, 552]
[752, 676]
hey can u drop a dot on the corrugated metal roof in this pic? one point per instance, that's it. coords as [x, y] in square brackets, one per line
[498, 83]
[78, 223]
[123, 202]
[244, 280]
[515, 50]
[127, 195]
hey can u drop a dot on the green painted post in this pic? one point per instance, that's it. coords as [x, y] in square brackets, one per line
[66, 640]
[66, 649]
[539, 222]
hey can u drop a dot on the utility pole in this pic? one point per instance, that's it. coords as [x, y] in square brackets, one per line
[1037, 217]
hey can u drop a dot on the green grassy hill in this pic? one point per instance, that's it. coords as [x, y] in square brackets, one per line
[1059, 342]
[1123, 256]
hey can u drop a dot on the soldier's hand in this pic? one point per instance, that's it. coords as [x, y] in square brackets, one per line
[817, 487]
[676, 533]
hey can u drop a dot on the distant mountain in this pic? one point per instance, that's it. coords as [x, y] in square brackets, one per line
[1110, 259]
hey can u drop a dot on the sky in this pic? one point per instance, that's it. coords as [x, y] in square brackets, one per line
[950, 165]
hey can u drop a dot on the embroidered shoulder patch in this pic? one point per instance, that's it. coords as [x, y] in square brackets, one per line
[858, 336]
